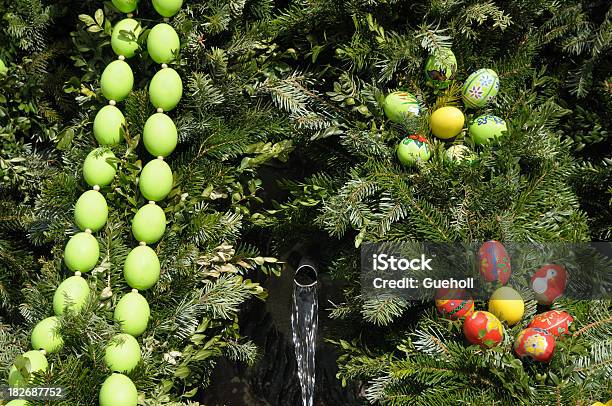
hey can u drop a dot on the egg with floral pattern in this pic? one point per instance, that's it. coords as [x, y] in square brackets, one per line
[556, 322]
[413, 149]
[535, 343]
[484, 329]
[454, 303]
[480, 88]
[494, 262]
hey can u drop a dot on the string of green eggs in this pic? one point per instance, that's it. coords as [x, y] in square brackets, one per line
[142, 267]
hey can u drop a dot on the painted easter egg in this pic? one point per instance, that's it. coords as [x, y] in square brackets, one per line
[125, 6]
[97, 170]
[167, 8]
[413, 149]
[91, 211]
[454, 303]
[440, 68]
[494, 262]
[124, 38]
[118, 390]
[556, 322]
[141, 268]
[455, 154]
[480, 88]
[446, 122]
[484, 128]
[71, 295]
[507, 304]
[82, 252]
[122, 353]
[132, 313]
[107, 126]
[163, 43]
[160, 135]
[45, 335]
[399, 105]
[484, 329]
[536, 344]
[117, 80]
[155, 180]
[548, 283]
[166, 89]
[38, 362]
[149, 224]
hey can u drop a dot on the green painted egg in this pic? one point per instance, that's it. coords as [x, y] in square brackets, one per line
[166, 89]
[167, 8]
[413, 149]
[122, 353]
[486, 127]
[458, 153]
[124, 38]
[38, 362]
[91, 211]
[45, 337]
[155, 180]
[117, 80]
[71, 294]
[480, 88]
[141, 268]
[149, 224]
[160, 135]
[398, 105]
[132, 313]
[125, 6]
[3, 68]
[96, 170]
[17, 402]
[82, 252]
[118, 390]
[163, 43]
[441, 68]
[107, 126]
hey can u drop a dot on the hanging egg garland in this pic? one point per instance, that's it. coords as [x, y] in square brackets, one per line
[446, 122]
[440, 68]
[97, 170]
[556, 322]
[118, 390]
[125, 6]
[166, 89]
[548, 283]
[160, 135]
[132, 313]
[71, 294]
[45, 335]
[82, 252]
[413, 149]
[507, 305]
[141, 268]
[163, 43]
[91, 211]
[117, 80]
[38, 362]
[399, 105]
[494, 262]
[484, 329]
[480, 88]
[107, 126]
[124, 37]
[167, 8]
[536, 344]
[155, 180]
[149, 224]
[122, 353]
[484, 128]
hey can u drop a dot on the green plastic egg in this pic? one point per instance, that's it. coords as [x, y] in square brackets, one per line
[486, 127]
[125, 6]
[96, 170]
[17, 402]
[118, 390]
[480, 88]
[91, 211]
[71, 294]
[163, 43]
[141, 268]
[82, 252]
[122, 353]
[149, 224]
[45, 337]
[458, 153]
[413, 149]
[38, 362]
[124, 38]
[160, 135]
[155, 180]
[3, 68]
[398, 105]
[441, 68]
[166, 89]
[107, 125]
[117, 80]
[132, 313]
[167, 8]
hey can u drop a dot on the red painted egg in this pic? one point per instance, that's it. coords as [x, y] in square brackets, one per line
[556, 322]
[454, 303]
[494, 262]
[484, 329]
[535, 343]
[548, 283]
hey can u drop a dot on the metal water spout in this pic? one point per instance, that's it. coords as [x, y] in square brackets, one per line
[304, 322]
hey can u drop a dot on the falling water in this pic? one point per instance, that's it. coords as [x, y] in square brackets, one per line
[304, 320]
